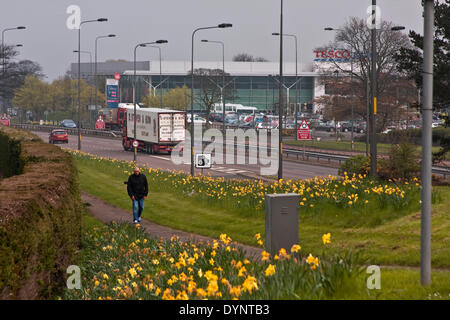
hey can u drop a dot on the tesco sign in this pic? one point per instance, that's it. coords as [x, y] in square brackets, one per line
[331, 55]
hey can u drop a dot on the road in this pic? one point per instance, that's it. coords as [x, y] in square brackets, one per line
[112, 148]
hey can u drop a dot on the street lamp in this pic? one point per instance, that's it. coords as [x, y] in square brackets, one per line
[160, 77]
[296, 75]
[280, 109]
[90, 64]
[79, 74]
[221, 26]
[134, 85]
[222, 89]
[95, 70]
[3, 47]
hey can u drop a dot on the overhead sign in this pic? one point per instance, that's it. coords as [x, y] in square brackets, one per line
[100, 123]
[112, 93]
[4, 120]
[304, 132]
[203, 161]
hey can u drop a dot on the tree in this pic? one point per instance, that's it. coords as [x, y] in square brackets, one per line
[209, 81]
[176, 99]
[245, 57]
[14, 73]
[33, 96]
[355, 37]
[410, 60]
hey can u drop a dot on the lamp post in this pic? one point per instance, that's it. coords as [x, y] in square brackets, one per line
[222, 89]
[280, 109]
[79, 74]
[90, 63]
[95, 69]
[427, 115]
[134, 86]
[160, 76]
[221, 26]
[3, 48]
[296, 76]
[3, 44]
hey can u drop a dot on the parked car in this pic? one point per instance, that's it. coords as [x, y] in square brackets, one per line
[68, 123]
[346, 126]
[216, 116]
[58, 135]
[231, 119]
[197, 119]
[360, 127]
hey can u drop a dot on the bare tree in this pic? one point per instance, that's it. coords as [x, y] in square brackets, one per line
[355, 38]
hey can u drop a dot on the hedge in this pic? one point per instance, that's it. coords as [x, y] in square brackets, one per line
[40, 216]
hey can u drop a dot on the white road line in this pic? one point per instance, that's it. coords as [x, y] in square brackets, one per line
[168, 159]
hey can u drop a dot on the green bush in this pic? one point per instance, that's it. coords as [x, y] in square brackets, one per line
[40, 215]
[355, 165]
[402, 163]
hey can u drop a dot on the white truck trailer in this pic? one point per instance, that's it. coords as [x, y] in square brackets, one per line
[157, 130]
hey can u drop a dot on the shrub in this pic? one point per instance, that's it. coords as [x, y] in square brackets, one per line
[355, 165]
[402, 162]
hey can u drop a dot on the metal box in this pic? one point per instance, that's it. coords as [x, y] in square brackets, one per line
[281, 221]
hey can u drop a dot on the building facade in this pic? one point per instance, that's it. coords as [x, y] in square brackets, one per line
[254, 83]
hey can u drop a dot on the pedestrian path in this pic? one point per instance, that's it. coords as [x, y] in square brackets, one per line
[106, 213]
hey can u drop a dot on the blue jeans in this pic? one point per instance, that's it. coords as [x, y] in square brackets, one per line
[138, 207]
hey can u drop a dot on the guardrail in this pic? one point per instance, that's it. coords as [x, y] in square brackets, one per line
[72, 131]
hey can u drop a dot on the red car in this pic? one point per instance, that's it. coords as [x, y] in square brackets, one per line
[58, 135]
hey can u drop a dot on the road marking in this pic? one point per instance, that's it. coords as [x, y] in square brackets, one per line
[161, 158]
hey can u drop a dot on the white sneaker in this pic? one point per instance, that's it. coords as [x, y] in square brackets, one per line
[135, 221]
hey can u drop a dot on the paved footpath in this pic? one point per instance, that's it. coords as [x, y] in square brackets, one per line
[106, 212]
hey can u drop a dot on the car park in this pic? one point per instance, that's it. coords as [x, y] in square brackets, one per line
[58, 136]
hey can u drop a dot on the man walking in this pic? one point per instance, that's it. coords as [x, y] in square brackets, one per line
[137, 188]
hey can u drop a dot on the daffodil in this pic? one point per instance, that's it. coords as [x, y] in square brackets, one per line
[270, 271]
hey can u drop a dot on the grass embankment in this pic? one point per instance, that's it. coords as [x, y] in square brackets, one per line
[385, 231]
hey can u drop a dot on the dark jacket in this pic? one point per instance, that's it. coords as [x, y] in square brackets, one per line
[137, 186]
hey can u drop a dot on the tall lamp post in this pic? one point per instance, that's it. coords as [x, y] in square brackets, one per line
[95, 69]
[221, 26]
[427, 114]
[3, 47]
[90, 63]
[3, 44]
[222, 89]
[160, 76]
[296, 75]
[134, 85]
[79, 74]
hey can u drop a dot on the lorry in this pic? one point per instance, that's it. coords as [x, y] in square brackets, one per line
[114, 117]
[157, 130]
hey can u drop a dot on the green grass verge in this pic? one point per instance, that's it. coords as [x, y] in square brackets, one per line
[395, 242]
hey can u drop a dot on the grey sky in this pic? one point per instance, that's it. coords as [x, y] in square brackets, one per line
[48, 41]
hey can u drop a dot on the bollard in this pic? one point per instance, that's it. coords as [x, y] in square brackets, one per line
[281, 221]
